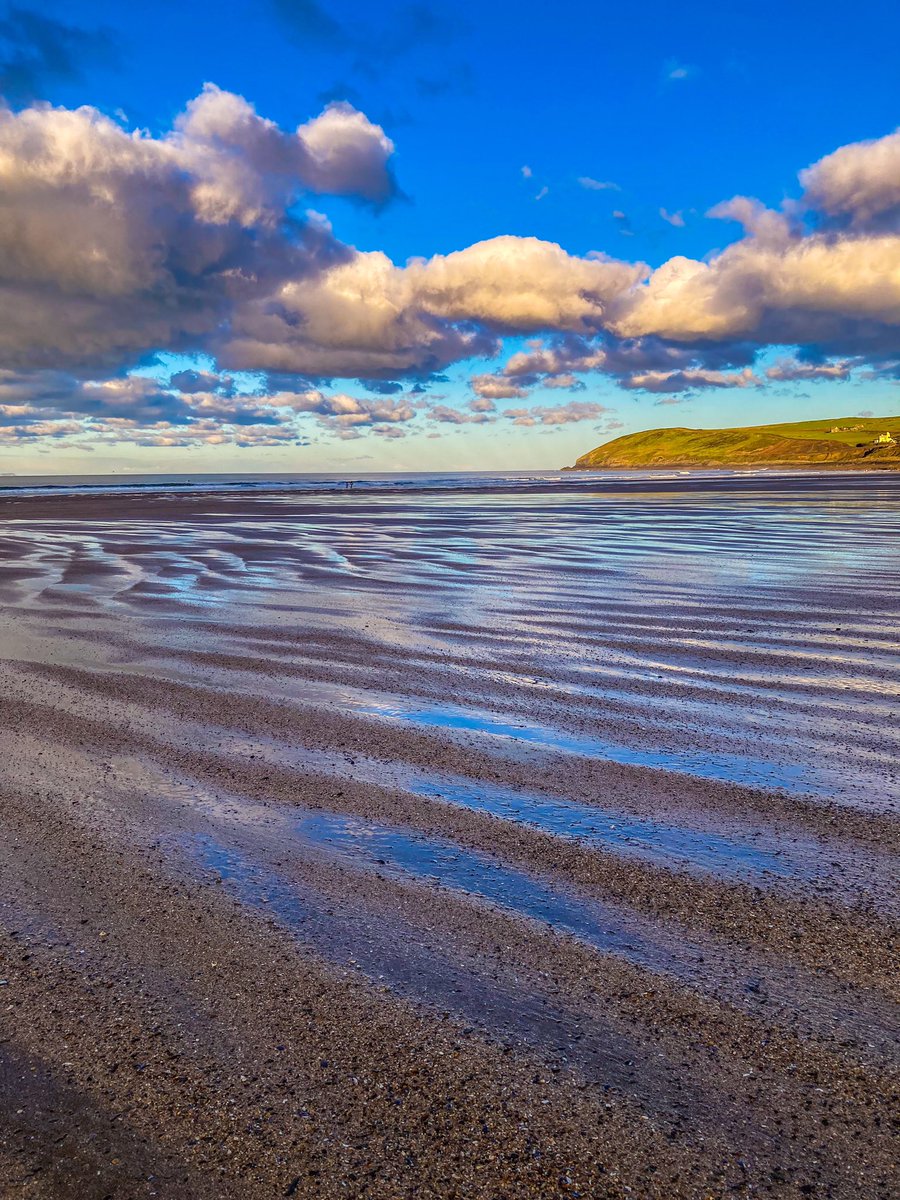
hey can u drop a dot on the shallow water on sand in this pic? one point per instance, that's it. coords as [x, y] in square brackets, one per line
[744, 631]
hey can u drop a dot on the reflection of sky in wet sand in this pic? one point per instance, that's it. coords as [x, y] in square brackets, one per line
[724, 845]
[395, 953]
[746, 636]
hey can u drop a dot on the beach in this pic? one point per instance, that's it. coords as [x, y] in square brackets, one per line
[524, 838]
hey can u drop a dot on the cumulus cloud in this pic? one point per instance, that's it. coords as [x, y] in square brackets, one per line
[859, 182]
[117, 243]
[247, 168]
[114, 242]
[347, 155]
[776, 286]
[372, 319]
[515, 284]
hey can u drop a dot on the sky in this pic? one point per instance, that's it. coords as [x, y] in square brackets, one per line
[302, 235]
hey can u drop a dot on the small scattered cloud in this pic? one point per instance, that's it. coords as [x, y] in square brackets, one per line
[690, 379]
[563, 381]
[559, 414]
[526, 172]
[597, 185]
[676, 72]
[646, 364]
[674, 218]
[496, 387]
[453, 416]
[791, 369]
[545, 191]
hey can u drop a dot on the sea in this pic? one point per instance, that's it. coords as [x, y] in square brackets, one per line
[411, 481]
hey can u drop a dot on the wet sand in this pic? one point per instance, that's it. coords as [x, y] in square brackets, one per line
[526, 843]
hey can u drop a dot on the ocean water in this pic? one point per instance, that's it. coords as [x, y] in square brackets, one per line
[311, 482]
[293, 482]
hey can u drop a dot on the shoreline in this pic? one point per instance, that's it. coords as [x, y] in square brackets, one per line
[16, 504]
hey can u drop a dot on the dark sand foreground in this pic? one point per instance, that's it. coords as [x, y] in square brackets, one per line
[508, 845]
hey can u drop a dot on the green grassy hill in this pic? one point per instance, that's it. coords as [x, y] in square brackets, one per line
[838, 441]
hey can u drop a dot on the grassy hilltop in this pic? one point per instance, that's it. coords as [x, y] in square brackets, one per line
[837, 441]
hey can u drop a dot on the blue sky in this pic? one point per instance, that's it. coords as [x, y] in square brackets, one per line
[504, 122]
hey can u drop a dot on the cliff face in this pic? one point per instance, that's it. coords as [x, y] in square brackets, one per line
[847, 441]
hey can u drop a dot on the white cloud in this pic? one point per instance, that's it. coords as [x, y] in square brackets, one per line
[496, 387]
[789, 369]
[453, 416]
[860, 181]
[675, 71]
[689, 380]
[115, 244]
[560, 414]
[597, 185]
[806, 288]
[370, 318]
[348, 154]
[675, 218]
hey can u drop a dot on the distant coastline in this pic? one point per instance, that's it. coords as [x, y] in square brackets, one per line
[837, 442]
